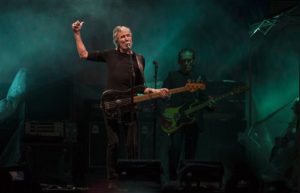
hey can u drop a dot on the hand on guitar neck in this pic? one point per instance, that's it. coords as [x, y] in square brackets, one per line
[164, 92]
[211, 103]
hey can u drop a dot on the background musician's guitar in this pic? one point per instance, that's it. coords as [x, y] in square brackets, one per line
[174, 118]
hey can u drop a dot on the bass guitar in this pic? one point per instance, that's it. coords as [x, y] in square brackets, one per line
[174, 118]
[115, 101]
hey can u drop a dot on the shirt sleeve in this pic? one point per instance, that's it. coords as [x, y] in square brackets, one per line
[96, 56]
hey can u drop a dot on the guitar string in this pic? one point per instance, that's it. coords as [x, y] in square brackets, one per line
[113, 104]
[124, 102]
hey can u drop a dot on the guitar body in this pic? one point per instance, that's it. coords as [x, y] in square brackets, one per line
[114, 102]
[174, 118]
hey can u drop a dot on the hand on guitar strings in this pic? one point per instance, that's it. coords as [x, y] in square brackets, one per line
[211, 103]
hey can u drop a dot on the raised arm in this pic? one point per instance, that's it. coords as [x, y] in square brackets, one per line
[82, 52]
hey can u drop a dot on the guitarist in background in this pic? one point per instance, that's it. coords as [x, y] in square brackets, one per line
[125, 72]
[180, 144]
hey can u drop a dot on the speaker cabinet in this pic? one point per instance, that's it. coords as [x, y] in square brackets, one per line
[146, 130]
[139, 175]
[201, 175]
[145, 140]
[97, 145]
[139, 169]
[50, 162]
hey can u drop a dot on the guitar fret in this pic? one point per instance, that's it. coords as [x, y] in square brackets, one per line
[145, 97]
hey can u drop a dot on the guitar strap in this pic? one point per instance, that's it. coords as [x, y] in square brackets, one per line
[140, 65]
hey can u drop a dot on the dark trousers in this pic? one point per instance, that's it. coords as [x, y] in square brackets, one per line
[122, 141]
[175, 148]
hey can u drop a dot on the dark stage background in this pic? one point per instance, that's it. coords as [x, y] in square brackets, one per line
[237, 43]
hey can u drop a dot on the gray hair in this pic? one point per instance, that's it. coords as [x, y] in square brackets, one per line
[116, 30]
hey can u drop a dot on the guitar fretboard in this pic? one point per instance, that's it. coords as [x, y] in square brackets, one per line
[205, 104]
[149, 96]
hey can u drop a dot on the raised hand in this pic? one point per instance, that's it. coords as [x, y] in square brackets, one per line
[77, 25]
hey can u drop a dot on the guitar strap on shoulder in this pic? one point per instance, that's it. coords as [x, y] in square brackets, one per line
[140, 65]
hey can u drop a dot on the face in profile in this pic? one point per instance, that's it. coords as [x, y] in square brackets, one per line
[186, 61]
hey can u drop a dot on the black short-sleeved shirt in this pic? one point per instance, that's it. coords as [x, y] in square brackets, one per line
[119, 68]
[177, 79]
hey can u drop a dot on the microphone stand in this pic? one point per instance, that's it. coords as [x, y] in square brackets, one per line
[132, 93]
[154, 109]
[132, 78]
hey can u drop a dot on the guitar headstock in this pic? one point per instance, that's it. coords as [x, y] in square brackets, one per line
[195, 86]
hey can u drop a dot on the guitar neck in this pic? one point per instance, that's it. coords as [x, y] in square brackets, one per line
[205, 104]
[149, 96]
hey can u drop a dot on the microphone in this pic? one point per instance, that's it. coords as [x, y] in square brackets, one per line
[128, 45]
[155, 62]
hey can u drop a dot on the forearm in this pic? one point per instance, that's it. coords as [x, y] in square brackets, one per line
[82, 52]
[151, 90]
[148, 90]
[164, 92]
